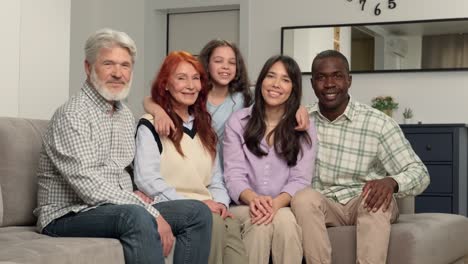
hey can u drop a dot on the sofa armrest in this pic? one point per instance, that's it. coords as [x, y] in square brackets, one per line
[406, 205]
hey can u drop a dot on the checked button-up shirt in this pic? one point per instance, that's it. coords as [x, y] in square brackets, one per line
[364, 144]
[85, 150]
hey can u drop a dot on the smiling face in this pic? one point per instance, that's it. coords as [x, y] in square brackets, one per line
[222, 66]
[276, 86]
[111, 73]
[331, 82]
[184, 85]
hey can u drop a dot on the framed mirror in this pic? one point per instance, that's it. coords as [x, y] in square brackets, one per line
[408, 46]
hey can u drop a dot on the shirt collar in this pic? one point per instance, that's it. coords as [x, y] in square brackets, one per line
[189, 122]
[349, 112]
[246, 114]
[97, 99]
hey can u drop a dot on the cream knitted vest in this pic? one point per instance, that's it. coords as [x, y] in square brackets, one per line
[189, 175]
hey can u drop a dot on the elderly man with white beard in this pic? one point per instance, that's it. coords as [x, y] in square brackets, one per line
[83, 188]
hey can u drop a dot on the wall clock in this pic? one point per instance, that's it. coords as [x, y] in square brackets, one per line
[378, 6]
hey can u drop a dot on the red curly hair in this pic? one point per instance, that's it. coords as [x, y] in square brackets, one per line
[163, 98]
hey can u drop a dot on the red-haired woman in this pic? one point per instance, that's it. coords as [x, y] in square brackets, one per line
[185, 164]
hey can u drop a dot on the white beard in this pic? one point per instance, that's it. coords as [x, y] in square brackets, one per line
[102, 89]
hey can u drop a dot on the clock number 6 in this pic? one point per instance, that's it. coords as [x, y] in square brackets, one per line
[363, 2]
[377, 10]
[391, 4]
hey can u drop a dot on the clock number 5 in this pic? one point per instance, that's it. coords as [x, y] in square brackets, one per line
[391, 4]
[363, 3]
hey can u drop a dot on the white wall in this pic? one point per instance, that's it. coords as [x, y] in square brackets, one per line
[36, 46]
[9, 65]
[44, 57]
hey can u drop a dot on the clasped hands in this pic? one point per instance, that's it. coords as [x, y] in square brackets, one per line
[262, 209]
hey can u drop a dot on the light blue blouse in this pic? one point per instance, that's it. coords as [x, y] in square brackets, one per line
[221, 113]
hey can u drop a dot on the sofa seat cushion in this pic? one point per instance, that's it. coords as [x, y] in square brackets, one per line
[415, 238]
[25, 245]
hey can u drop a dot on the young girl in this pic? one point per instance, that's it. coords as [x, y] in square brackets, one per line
[228, 82]
[267, 161]
[184, 165]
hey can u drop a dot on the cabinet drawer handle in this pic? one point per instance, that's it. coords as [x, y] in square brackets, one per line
[428, 147]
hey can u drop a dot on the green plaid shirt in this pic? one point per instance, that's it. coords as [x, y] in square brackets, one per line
[364, 144]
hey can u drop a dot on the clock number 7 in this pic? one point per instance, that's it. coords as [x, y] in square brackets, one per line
[363, 2]
[391, 4]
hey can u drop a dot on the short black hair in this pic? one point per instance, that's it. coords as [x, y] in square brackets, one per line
[330, 54]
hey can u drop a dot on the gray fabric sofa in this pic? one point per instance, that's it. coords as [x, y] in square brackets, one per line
[428, 238]
[20, 143]
[415, 238]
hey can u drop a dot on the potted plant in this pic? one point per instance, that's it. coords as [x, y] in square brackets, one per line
[385, 104]
[407, 115]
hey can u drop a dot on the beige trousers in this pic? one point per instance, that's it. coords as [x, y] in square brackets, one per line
[282, 237]
[226, 242]
[314, 213]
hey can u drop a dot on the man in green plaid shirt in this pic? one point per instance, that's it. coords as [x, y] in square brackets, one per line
[363, 162]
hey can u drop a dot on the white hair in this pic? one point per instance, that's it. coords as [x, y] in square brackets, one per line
[108, 38]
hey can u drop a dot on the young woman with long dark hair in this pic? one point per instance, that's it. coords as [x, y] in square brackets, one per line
[266, 161]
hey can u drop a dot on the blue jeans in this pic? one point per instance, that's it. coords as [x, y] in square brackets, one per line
[137, 230]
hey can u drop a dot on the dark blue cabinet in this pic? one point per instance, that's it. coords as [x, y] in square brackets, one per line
[443, 148]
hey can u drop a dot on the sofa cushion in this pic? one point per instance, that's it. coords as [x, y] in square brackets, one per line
[25, 245]
[20, 142]
[415, 238]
